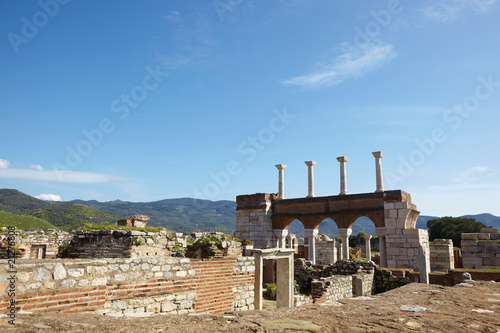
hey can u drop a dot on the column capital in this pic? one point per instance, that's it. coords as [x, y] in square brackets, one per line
[311, 233]
[380, 231]
[342, 159]
[280, 233]
[345, 232]
[367, 237]
[310, 163]
[377, 154]
[280, 166]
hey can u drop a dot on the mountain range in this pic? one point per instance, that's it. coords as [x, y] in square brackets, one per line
[180, 215]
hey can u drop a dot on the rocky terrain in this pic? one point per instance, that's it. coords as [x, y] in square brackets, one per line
[469, 307]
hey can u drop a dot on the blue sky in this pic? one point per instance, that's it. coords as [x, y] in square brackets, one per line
[142, 101]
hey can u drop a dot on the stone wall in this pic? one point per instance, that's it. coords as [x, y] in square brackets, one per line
[441, 254]
[253, 219]
[385, 280]
[153, 284]
[332, 288]
[326, 250]
[481, 250]
[403, 247]
[36, 243]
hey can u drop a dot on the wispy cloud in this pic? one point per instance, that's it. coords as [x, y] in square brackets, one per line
[471, 174]
[37, 173]
[446, 10]
[350, 62]
[49, 197]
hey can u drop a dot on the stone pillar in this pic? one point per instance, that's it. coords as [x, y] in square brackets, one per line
[259, 277]
[343, 180]
[344, 235]
[334, 251]
[383, 253]
[424, 263]
[284, 283]
[290, 240]
[280, 237]
[310, 178]
[311, 234]
[368, 247]
[378, 170]
[281, 185]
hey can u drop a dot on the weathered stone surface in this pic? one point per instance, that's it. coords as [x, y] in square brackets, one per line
[42, 274]
[59, 272]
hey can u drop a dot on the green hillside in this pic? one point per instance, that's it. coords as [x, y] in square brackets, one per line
[63, 215]
[23, 222]
[181, 215]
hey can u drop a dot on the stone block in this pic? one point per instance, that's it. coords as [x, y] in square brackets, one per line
[471, 236]
[392, 214]
[491, 262]
[59, 272]
[491, 230]
[484, 235]
[390, 223]
[389, 205]
[401, 205]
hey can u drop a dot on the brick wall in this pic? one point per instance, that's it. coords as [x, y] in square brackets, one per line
[154, 284]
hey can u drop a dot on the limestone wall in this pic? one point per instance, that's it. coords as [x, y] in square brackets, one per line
[326, 251]
[332, 288]
[481, 250]
[153, 284]
[441, 254]
[253, 219]
[403, 247]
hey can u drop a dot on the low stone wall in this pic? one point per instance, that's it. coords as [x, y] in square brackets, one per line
[154, 284]
[332, 288]
[481, 250]
[36, 244]
[403, 246]
[385, 280]
[441, 254]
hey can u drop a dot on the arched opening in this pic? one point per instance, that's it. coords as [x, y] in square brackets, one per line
[363, 231]
[297, 228]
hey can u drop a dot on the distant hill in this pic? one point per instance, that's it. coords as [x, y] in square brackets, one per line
[23, 222]
[181, 215]
[63, 215]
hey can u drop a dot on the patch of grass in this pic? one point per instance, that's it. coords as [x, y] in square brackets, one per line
[23, 221]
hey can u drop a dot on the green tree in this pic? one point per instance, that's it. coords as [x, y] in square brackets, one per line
[452, 228]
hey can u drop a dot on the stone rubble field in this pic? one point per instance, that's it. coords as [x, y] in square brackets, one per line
[469, 307]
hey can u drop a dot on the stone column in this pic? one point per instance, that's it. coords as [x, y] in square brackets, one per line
[280, 237]
[344, 235]
[424, 263]
[284, 283]
[281, 186]
[378, 170]
[290, 241]
[311, 234]
[310, 178]
[343, 180]
[368, 247]
[259, 277]
[383, 253]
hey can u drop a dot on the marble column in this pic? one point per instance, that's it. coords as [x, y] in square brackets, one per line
[378, 170]
[310, 178]
[290, 242]
[344, 235]
[280, 237]
[368, 247]
[343, 180]
[383, 252]
[281, 186]
[311, 234]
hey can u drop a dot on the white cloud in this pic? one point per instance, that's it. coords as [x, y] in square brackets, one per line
[446, 11]
[471, 173]
[37, 167]
[60, 176]
[350, 62]
[4, 164]
[49, 197]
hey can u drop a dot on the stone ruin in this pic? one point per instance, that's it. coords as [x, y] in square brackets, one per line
[138, 221]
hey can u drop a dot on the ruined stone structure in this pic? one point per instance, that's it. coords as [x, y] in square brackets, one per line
[481, 250]
[138, 221]
[441, 254]
[149, 284]
[36, 243]
[264, 219]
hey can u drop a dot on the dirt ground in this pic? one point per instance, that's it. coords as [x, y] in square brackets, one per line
[471, 307]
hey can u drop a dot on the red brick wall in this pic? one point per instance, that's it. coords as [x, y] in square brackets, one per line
[213, 284]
